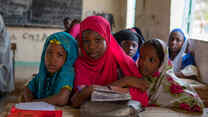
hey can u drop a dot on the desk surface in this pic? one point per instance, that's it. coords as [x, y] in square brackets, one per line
[149, 112]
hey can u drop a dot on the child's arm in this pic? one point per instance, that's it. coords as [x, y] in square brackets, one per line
[58, 99]
[28, 96]
[119, 89]
[81, 96]
[130, 81]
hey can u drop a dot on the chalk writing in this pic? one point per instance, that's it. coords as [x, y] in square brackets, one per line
[37, 37]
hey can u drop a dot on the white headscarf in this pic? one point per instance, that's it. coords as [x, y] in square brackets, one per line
[177, 62]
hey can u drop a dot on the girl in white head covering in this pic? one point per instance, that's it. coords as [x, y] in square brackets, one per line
[182, 60]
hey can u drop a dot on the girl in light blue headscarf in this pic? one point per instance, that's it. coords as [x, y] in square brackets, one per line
[54, 82]
[178, 55]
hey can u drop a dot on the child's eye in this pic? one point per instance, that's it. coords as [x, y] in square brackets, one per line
[97, 40]
[178, 40]
[86, 41]
[140, 57]
[49, 52]
[171, 38]
[151, 60]
[134, 45]
[60, 54]
[125, 44]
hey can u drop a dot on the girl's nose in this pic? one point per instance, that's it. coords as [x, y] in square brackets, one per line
[53, 59]
[174, 42]
[131, 47]
[92, 45]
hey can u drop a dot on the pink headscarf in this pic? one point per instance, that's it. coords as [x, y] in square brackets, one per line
[103, 71]
[74, 31]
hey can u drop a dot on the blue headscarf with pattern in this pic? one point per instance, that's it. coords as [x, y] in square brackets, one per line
[43, 85]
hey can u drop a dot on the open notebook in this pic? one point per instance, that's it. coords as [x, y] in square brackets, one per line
[102, 93]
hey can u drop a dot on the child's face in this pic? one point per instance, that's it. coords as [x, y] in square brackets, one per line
[55, 57]
[93, 44]
[148, 61]
[67, 24]
[130, 47]
[176, 41]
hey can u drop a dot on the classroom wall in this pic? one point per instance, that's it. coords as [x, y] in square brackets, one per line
[30, 40]
[115, 7]
[153, 18]
[201, 57]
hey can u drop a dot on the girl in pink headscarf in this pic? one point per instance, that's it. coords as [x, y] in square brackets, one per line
[100, 63]
[74, 31]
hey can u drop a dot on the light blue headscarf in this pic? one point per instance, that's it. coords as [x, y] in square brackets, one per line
[182, 60]
[180, 31]
[43, 86]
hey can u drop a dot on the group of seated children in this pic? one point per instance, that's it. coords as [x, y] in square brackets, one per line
[66, 77]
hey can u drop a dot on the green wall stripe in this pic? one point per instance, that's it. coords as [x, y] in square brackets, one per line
[23, 63]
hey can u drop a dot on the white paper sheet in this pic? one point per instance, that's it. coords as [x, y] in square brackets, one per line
[35, 106]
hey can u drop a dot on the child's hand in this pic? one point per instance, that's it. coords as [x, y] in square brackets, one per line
[130, 81]
[81, 96]
[27, 99]
[28, 96]
[119, 89]
[141, 84]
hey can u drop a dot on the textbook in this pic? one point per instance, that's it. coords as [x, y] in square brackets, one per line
[102, 93]
[34, 109]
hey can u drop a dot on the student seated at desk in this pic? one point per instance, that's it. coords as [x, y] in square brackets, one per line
[53, 84]
[103, 62]
[179, 55]
[130, 42]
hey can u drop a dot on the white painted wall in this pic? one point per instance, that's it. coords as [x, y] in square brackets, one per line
[114, 7]
[201, 57]
[29, 42]
[177, 14]
[152, 16]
